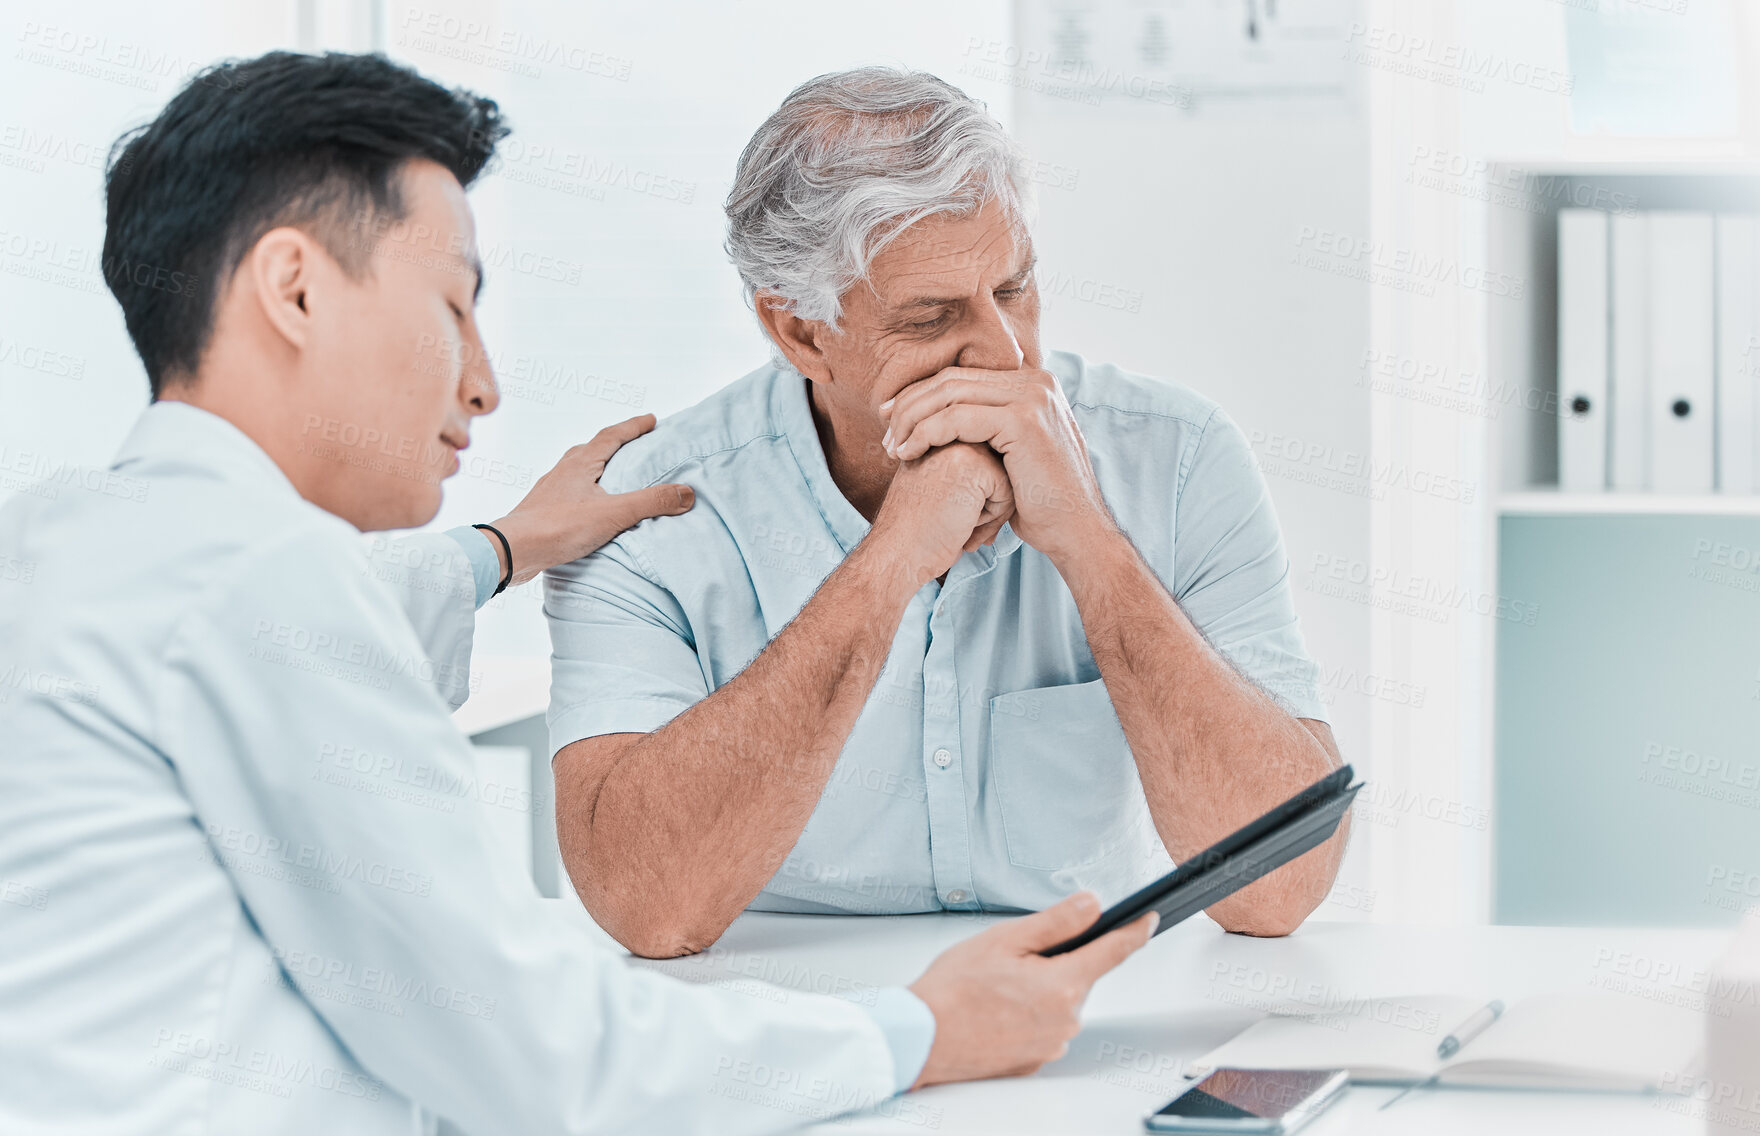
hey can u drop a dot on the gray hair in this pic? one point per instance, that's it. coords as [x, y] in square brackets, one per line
[848, 162]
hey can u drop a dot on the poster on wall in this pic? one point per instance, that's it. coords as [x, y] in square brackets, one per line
[1178, 57]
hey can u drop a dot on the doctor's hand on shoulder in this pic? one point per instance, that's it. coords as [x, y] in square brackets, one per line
[567, 515]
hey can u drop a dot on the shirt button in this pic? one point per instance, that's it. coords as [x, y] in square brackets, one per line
[957, 895]
[944, 759]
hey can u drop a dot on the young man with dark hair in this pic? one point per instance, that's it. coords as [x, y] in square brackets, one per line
[229, 940]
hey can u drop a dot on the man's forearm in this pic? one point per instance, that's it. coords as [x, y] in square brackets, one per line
[671, 840]
[1213, 751]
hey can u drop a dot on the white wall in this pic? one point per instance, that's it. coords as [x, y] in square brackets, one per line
[1198, 196]
[1166, 237]
[75, 77]
[618, 168]
[1193, 207]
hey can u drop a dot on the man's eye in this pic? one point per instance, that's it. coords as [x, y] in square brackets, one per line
[1011, 293]
[456, 311]
[930, 325]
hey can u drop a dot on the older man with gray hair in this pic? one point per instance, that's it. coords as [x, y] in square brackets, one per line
[956, 624]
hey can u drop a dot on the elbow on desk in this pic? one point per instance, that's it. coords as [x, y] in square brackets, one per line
[645, 928]
[1267, 915]
[1261, 925]
[663, 942]
[1277, 905]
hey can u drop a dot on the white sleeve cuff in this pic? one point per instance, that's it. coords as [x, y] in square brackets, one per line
[909, 1026]
[485, 565]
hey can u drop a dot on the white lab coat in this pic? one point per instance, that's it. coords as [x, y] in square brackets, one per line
[221, 908]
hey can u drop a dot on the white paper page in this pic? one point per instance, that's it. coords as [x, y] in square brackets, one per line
[1377, 1039]
[1590, 1038]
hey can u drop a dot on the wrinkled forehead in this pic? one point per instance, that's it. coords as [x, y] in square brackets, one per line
[952, 255]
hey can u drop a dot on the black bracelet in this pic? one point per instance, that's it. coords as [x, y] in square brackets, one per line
[507, 548]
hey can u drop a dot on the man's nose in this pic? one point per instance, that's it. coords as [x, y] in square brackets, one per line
[477, 387]
[991, 344]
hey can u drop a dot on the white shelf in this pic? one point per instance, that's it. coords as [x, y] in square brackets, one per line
[1551, 502]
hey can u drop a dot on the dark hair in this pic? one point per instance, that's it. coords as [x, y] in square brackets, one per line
[250, 145]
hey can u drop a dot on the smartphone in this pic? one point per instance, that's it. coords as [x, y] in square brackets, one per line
[1250, 1100]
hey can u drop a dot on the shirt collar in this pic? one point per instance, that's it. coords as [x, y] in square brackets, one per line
[793, 415]
[181, 435]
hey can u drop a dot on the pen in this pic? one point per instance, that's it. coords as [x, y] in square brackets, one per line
[1469, 1029]
[1475, 1025]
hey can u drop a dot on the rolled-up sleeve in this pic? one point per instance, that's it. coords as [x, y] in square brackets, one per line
[1231, 573]
[623, 657]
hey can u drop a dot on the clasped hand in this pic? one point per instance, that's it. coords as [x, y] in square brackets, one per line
[982, 448]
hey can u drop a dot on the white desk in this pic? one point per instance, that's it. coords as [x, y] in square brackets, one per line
[1194, 987]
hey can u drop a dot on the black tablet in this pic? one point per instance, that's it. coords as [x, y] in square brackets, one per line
[1301, 823]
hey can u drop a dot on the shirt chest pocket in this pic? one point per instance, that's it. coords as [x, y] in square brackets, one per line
[1066, 783]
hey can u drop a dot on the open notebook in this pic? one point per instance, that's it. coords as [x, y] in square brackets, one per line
[1592, 1040]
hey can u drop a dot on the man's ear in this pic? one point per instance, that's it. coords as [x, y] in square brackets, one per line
[279, 271]
[797, 338]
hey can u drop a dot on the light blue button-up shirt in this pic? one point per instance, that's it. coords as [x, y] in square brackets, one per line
[988, 769]
[246, 882]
